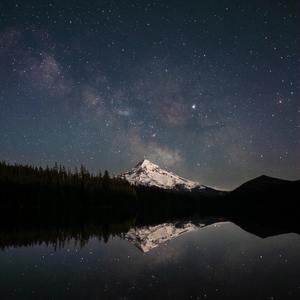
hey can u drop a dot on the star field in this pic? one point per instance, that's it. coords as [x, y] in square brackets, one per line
[207, 90]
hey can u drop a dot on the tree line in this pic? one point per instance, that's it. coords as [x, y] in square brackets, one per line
[25, 184]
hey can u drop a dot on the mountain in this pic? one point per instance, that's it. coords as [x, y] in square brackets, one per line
[146, 173]
[266, 185]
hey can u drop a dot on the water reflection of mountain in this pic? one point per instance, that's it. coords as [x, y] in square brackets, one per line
[146, 238]
[149, 237]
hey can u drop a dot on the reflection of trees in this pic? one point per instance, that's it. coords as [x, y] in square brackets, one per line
[60, 235]
[57, 228]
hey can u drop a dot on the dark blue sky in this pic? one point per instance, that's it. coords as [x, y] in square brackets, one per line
[208, 89]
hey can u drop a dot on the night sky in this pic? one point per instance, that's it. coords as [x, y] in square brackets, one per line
[207, 89]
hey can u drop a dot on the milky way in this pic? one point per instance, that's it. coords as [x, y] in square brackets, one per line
[207, 89]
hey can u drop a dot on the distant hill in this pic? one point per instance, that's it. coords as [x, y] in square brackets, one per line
[263, 184]
[266, 185]
[265, 195]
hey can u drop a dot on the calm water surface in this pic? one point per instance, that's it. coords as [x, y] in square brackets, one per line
[166, 261]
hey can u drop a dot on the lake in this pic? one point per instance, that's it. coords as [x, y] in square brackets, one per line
[208, 258]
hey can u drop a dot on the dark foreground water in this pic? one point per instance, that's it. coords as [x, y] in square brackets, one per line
[182, 260]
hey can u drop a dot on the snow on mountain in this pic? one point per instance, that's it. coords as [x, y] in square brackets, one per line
[149, 174]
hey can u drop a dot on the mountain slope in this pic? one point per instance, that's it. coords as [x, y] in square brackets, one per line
[147, 173]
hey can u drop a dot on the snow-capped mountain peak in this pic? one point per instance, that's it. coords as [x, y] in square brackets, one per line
[149, 174]
[147, 164]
